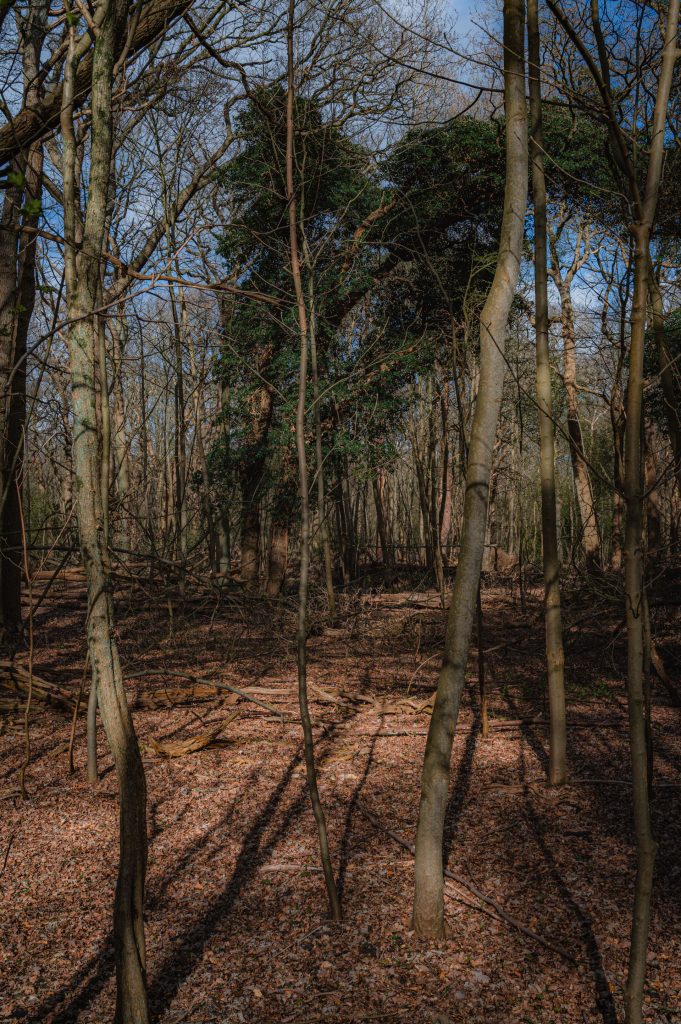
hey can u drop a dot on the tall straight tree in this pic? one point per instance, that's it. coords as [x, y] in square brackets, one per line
[643, 188]
[303, 476]
[83, 265]
[555, 659]
[428, 896]
[18, 220]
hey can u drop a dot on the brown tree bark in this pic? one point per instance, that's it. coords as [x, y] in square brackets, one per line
[277, 562]
[555, 658]
[20, 211]
[428, 897]
[308, 742]
[83, 285]
[644, 206]
[119, 437]
[590, 538]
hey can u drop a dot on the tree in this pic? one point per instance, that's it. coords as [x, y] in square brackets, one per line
[428, 894]
[555, 658]
[83, 291]
[642, 183]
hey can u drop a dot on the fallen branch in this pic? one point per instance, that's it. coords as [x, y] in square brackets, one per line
[15, 679]
[178, 748]
[499, 910]
[210, 682]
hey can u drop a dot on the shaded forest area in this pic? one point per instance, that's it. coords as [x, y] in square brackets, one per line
[340, 512]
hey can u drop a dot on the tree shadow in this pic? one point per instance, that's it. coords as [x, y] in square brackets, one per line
[94, 973]
[604, 1000]
[349, 814]
[179, 965]
[457, 799]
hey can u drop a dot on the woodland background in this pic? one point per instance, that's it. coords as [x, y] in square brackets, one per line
[340, 430]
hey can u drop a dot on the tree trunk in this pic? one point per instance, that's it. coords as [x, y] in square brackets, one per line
[260, 407]
[250, 525]
[82, 279]
[180, 327]
[119, 433]
[671, 394]
[590, 541]
[327, 554]
[555, 658]
[653, 511]
[277, 563]
[645, 844]
[428, 898]
[308, 741]
[633, 545]
[378, 488]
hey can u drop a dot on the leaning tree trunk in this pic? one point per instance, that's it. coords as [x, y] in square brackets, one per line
[82, 281]
[428, 896]
[555, 658]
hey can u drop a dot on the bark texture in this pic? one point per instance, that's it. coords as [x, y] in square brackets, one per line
[555, 658]
[83, 287]
[428, 897]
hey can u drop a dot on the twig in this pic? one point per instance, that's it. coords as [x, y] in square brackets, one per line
[9, 847]
[419, 667]
[474, 890]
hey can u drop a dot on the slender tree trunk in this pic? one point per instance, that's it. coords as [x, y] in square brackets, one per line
[633, 553]
[144, 451]
[199, 418]
[310, 768]
[551, 564]
[119, 432]
[260, 407]
[180, 327]
[633, 545]
[428, 897]
[671, 393]
[378, 487]
[83, 278]
[224, 532]
[654, 539]
[585, 501]
[618, 427]
[21, 209]
[319, 452]
[14, 366]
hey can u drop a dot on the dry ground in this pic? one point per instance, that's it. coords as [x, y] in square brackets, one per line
[236, 917]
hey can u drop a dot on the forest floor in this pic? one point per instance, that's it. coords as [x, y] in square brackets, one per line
[237, 925]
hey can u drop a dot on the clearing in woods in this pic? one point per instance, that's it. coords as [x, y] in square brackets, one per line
[236, 909]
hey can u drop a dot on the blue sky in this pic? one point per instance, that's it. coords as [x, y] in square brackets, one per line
[463, 10]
